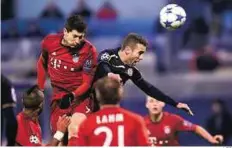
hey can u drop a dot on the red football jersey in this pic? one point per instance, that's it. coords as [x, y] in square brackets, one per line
[29, 131]
[69, 68]
[165, 132]
[112, 126]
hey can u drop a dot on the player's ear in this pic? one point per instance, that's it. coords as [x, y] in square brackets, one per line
[146, 103]
[128, 50]
[65, 31]
[162, 104]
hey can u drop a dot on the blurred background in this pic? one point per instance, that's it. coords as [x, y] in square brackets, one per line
[192, 64]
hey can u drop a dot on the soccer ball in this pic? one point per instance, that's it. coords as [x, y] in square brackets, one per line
[172, 16]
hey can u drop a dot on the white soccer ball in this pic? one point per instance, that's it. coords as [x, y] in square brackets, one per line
[172, 16]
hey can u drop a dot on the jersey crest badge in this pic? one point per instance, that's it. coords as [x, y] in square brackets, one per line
[167, 130]
[87, 65]
[105, 57]
[34, 139]
[75, 58]
[130, 71]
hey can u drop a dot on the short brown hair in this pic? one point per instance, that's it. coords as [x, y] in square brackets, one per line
[132, 39]
[32, 98]
[76, 22]
[109, 91]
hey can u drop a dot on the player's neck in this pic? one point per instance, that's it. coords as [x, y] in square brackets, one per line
[122, 56]
[108, 106]
[157, 117]
[30, 114]
[64, 43]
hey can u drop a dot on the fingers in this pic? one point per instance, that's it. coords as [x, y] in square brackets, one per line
[115, 76]
[63, 123]
[185, 107]
[66, 120]
[218, 138]
[190, 112]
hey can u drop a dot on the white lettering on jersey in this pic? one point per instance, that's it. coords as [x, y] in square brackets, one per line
[111, 118]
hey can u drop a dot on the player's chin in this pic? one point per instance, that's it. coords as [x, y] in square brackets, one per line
[155, 112]
[134, 64]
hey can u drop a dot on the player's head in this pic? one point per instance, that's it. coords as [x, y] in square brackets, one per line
[33, 100]
[154, 106]
[218, 106]
[134, 46]
[108, 91]
[74, 31]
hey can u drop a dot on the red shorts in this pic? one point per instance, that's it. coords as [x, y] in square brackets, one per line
[84, 107]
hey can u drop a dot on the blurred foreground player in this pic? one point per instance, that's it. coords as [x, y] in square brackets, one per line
[163, 127]
[8, 118]
[70, 61]
[29, 131]
[120, 64]
[111, 125]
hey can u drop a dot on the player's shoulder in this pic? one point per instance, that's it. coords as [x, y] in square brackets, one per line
[108, 51]
[91, 118]
[147, 119]
[52, 37]
[92, 47]
[20, 117]
[106, 54]
[172, 116]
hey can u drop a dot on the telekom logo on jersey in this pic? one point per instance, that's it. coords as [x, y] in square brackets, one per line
[56, 64]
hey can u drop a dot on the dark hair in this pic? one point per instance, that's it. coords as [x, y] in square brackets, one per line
[132, 39]
[76, 22]
[31, 98]
[109, 91]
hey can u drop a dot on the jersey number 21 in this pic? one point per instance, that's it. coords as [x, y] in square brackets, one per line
[109, 134]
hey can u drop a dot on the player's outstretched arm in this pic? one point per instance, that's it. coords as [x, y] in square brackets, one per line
[41, 69]
[151, 90]
[62, 125]
[217, 139]
[154, 92]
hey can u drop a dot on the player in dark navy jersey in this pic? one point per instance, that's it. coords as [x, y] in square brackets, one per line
[120, 64]
[8, 118]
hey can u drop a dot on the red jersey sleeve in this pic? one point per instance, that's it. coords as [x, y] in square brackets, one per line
[42, 65]
[141, 133]
[89, 69]
[184, 125]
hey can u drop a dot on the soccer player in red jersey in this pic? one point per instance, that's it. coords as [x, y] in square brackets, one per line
[163, 127]
[111, 125]
[29, 131]
[69, 60]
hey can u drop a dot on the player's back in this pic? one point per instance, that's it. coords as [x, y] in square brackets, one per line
[114, 126]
